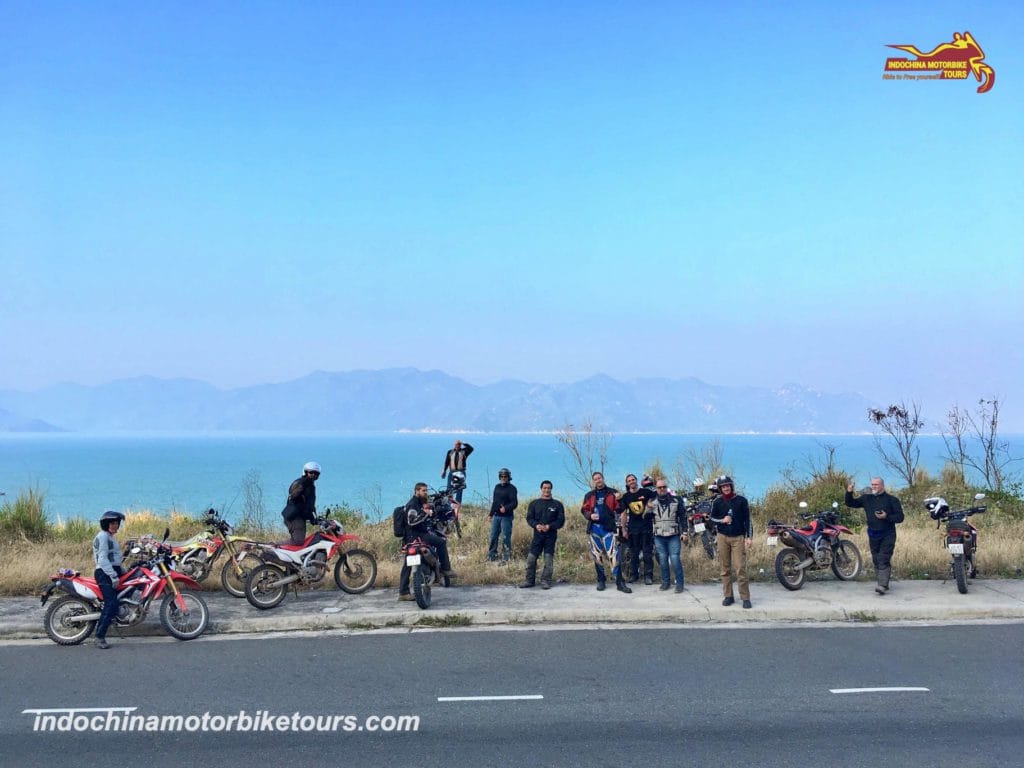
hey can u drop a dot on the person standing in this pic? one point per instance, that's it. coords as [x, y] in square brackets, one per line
[545, 516]
[503, 505]
[301, 505]
[882, 511]
[599, 508]
[455, 461]
[731, 513]
[107, 555]
[638, 530]
[669, 525]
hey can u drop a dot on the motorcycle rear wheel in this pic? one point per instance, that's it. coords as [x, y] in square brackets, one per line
[355, 571]
[421, 587]
[57, 628]
[786, 570]
[960, 573]
[710, 544]
[846, 561]
[233, 581]
[184, 626]
[261, 587]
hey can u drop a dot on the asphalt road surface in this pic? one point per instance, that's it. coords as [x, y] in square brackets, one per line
[591, 697]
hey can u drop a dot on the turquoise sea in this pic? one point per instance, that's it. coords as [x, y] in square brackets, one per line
[86, 474]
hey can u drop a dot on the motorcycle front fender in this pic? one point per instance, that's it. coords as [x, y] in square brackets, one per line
[184, 581]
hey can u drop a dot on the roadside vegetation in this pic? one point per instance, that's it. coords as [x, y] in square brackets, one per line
[34, 543]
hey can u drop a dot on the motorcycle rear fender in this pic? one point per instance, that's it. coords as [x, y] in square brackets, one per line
[70, 587]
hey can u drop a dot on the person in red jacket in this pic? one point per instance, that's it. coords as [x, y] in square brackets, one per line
[599, 508]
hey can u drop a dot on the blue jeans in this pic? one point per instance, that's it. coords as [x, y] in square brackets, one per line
[668, 553]
[500, 525]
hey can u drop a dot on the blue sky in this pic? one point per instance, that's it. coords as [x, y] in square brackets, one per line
[248, 192]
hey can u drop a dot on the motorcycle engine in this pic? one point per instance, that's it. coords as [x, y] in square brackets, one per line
[129, 611]
[315, 569]
[822, 555]
[194, 566]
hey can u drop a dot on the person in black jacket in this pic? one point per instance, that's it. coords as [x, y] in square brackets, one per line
[301, 505]
[882, 511]
[638, 529]
[503, 505]
[419, 525]
[545, 516]
[455, 461]
[731, 513]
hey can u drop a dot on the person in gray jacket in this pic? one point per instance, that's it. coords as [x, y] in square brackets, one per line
[669, 526]
[107, 555]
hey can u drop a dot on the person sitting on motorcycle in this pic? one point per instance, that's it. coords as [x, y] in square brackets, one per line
[301, 505]
[107, 555]
[420, 525]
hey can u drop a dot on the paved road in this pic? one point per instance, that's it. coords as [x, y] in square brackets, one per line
[674, 696]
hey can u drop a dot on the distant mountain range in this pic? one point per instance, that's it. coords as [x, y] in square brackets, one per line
[410, 399]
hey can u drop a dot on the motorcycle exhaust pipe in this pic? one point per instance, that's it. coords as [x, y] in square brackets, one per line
[84, 618]
[805, 563]
[288, 579]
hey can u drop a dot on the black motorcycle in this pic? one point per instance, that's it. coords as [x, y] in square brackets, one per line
[425, 566]
[697, 504]
[446, 512]
[961, 537]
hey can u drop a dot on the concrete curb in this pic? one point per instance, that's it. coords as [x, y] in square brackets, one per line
[566, 604]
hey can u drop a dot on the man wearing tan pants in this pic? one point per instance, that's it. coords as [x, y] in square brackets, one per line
[731, 514]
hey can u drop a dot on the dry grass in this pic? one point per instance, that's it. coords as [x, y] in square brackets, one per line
[25, 565]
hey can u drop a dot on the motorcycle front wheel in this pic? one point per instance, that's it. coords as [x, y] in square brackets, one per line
[846, 561]
[421, 587]
[235, 573]
[710, 544]
[356, 571]
[262, 589]
[960, 573]
[57, 625]
[188, 624]
[789, 575]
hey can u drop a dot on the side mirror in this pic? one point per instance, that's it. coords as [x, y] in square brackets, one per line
[167, 532]
[698, 482]
[979, 496]
[136, 550]
[802, 505]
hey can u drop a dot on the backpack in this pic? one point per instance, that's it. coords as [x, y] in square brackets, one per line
[398, 520]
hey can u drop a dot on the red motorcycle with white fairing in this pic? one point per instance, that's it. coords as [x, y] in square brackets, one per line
[72, 618]
[292, 564]
[816, 546]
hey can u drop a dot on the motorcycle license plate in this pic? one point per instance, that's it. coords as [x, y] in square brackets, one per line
[412, 560]
[956, 549]
[699, 527]
[772, 541]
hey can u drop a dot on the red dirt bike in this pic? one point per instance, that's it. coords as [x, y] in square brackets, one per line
[698, 518]
[197, 555]
[814, 547]
[425, 568]
[961, 537]
[72, 618]
[284, 564]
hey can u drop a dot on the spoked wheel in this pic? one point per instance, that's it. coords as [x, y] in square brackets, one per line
[262, 589]
[185, 624]
[355, 571]
[58, 621]
[846, 561]
[960, 573]
[235, 572]
[710, 544]
[421, 587]
[789, 575]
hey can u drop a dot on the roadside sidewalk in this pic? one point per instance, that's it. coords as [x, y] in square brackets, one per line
[824, 601]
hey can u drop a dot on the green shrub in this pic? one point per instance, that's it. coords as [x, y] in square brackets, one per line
[24, 518]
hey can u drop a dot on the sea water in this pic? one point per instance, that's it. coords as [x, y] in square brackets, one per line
[82, 475]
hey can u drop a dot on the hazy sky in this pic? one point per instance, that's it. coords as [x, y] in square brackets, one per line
[246, 192]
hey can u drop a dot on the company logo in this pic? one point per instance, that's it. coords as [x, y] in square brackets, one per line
[948, 61]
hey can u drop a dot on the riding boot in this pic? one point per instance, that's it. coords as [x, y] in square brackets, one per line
[548, 572]
[531, 572]
[620, 584]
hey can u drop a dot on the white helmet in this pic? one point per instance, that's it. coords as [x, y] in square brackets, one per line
[311, 466]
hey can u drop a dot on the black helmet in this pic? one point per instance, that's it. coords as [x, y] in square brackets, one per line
[504, 472]
[416, 516]
[724, 480]
[458, 480]
[109, 517]
[647, 482]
